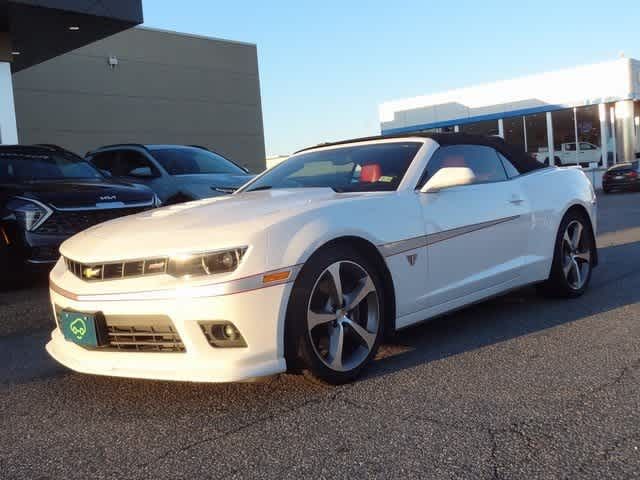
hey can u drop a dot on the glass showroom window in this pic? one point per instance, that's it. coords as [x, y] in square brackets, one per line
[488, 128]
[589, 136]
[536, 135]
[564, 137]
[514, 131]
[450, 129]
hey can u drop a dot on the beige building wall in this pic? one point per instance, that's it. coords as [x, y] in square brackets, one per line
[161, 87]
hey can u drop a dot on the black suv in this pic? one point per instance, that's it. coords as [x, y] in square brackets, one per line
[48, 194]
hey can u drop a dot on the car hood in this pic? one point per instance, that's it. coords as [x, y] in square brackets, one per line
[80, 194]
[213, 223]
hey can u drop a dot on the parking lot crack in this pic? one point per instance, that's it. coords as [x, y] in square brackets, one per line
[494, 453]
[218, 436]
[618, 379]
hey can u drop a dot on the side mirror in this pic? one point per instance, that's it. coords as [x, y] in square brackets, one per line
[142, 172]
[449, 177]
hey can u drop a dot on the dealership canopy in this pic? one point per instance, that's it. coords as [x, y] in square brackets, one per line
[36, 30]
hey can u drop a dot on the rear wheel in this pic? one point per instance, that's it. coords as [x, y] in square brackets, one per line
[573, 257]
[335, 316]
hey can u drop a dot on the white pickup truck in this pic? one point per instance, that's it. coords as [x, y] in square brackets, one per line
[568, 154]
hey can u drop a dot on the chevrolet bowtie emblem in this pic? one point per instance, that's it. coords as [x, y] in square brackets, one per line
[412, 259]
[92, 272]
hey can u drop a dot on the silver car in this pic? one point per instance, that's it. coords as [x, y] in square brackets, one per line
[176, 173]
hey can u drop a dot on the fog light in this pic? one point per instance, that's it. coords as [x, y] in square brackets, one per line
[230, 332]
[222, 334]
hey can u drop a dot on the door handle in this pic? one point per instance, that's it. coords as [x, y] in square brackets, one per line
[516, 200]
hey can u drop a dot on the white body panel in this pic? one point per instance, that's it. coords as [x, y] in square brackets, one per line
[513, 246]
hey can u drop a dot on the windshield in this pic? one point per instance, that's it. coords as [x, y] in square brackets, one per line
[23, 167]
[189, 161]
[365, 168]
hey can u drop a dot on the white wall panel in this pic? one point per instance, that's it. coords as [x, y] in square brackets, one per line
[584, 85]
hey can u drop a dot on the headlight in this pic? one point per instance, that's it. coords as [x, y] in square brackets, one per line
[30, 213]
[156, 201]
[222, 261]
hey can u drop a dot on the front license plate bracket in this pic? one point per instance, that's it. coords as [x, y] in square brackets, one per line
[84, 329]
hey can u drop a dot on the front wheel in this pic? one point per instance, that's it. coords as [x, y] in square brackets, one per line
[335, 317]
[573, 258]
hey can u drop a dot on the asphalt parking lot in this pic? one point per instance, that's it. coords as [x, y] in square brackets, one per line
[519, 387]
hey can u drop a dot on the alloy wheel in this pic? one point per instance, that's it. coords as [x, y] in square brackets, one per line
[343, 316]
[576, 255]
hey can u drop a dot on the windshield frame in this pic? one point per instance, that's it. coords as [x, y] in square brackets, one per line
[401, 184]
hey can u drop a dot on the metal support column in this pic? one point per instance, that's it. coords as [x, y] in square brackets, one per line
[625, 131]
[604, 144]
[550, 141]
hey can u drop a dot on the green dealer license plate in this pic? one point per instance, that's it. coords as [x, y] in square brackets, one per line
[86, 329]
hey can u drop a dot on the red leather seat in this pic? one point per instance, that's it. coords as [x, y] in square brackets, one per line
[454, 161]
[370, 173]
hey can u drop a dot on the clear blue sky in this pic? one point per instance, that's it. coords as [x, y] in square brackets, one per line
[325, 66]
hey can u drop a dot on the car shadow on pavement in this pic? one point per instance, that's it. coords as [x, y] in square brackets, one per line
[517, 314]
[522, 312]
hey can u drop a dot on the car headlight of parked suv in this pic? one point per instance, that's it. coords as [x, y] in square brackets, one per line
[29, 213]
[211, 263]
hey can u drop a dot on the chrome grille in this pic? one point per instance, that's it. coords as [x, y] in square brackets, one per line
[112, 271]
[72, 222]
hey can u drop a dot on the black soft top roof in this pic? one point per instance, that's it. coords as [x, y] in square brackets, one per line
[521, 160]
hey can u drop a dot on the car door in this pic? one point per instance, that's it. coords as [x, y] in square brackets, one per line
[589, 153]
[476, 234]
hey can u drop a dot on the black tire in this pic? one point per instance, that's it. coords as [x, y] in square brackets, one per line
[304, 351]
[571, 284]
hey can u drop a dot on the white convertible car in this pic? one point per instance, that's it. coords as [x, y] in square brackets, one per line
[306, 267]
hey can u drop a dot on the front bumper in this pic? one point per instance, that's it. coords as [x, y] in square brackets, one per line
[258, 315]
[42, 248]
[30, 247]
